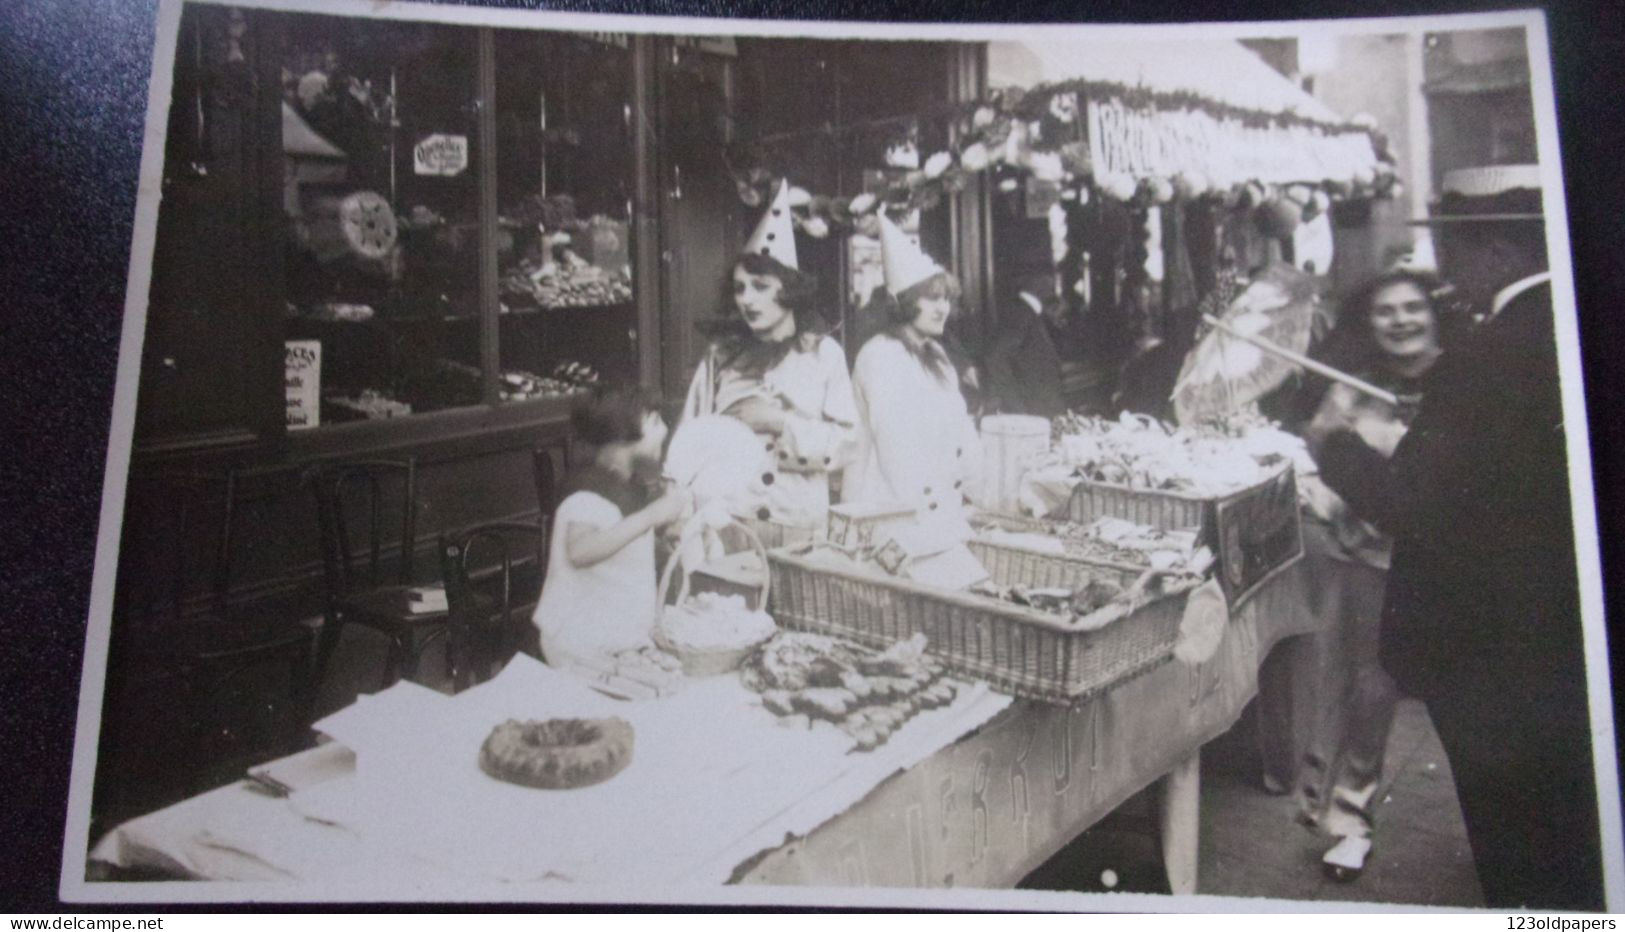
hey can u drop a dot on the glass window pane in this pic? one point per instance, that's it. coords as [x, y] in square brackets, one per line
[564, 188]
[381, 191]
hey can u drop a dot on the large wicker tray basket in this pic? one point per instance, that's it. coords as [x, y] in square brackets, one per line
[1162, 509]
[1254, 532]
[1041, 568]
[1014, 648]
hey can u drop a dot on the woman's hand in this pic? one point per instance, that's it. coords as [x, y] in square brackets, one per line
[1336, 413]
[1380, 434]
[759, 414]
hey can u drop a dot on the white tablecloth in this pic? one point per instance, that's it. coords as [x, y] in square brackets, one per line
[714, 779]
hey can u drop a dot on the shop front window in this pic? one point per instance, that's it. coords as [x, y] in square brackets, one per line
[564, 184]
[381, 195]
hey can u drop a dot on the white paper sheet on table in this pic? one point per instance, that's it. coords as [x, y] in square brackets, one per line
[714, 778]
[374, 720]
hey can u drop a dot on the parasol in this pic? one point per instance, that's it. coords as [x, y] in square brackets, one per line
[1253, 347]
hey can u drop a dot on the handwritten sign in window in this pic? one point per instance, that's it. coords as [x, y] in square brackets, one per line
[302, 380]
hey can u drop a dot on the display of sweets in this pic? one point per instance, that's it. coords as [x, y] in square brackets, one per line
[570, 281]
[371, 404]
[337, 312]
[807, 679]
[713, 630]
[576, 373]
[524, 386]
[1104, 540]
[569, 378]
[1143, 453]
[1093, 604]
[1078, 602]
[642, 672]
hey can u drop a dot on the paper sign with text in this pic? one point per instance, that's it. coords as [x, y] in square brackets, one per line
[440, 154]
[302, 379]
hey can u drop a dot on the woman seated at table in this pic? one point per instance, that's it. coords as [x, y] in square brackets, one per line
[598, 605]
[918, 445]
[771, 366]
[1390, 334]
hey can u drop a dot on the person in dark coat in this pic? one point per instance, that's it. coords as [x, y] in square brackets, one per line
[1023, 369]
[1481, 619]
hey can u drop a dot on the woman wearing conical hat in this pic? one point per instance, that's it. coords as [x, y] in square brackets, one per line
[918, 445]
[771, 365]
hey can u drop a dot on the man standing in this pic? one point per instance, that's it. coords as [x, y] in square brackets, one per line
[1481, 618]
[1023, 369]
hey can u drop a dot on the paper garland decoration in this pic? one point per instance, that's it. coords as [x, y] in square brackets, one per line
[1131, 144]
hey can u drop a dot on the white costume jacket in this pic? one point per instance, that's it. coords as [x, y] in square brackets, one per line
[820, 435]
[918, 445]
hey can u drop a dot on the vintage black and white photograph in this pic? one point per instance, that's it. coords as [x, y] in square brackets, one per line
[594, 459]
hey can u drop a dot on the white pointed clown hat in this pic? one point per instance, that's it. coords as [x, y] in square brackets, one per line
[904, 262]
[776, 235]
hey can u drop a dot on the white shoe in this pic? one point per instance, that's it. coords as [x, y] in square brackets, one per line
[1346, 859]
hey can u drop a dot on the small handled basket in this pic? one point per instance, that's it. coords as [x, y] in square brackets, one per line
[700, 662]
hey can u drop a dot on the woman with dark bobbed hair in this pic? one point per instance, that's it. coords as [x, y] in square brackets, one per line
[1391, 332]
[771, 365]
[918, 446]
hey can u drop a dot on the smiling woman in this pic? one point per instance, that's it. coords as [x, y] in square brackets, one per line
[1394, 324]
[1404, 327]
[1391, 333]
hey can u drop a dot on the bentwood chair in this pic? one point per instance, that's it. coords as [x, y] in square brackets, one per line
[493, 574]
[195, 679]
[366, 511]
[546, 462]
[545, 474]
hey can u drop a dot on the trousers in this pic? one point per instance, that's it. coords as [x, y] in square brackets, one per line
[1521, 755]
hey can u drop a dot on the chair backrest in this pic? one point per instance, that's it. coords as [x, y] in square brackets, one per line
[480, 567]
[545, 473]
[167, 530]
[180, 544]
[356, 502]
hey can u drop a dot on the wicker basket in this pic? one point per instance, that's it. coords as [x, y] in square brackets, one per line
[1231, 525]
[1043, 569]
[1163, 510]
[1008, 560]
[696, 662]
[1016, 649]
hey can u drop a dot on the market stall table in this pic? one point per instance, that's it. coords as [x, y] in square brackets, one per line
[976, 798]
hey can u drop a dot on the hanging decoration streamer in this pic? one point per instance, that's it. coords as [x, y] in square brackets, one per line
[1131, 144]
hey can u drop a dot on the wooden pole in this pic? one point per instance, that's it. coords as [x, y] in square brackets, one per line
[1299, 359]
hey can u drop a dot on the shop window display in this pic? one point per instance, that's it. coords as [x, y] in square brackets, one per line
[563, 196]
[381, 192]
[381, 135]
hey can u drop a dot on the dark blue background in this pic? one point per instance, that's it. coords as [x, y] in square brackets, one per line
[73, 90]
